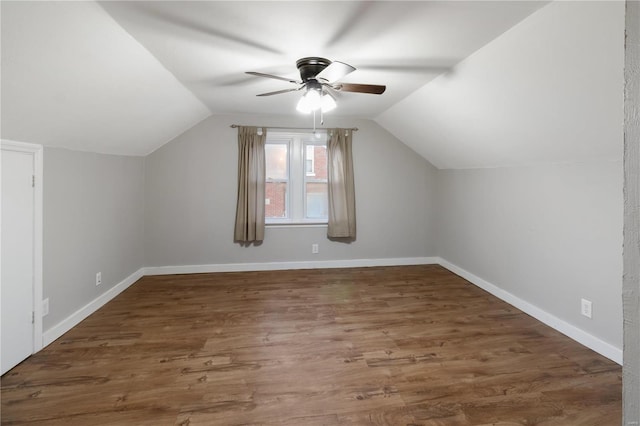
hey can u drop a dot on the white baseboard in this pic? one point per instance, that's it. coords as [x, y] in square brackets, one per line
[274, 266]
[577, 334]
[74, 319]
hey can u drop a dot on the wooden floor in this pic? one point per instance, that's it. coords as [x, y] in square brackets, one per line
[412, 345]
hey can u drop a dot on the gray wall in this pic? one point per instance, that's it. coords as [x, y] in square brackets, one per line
[93, 221]
[548, 234]
[190, 200]
[631, 284]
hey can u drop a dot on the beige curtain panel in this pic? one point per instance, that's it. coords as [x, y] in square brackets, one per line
[342, 198]
[251, 176]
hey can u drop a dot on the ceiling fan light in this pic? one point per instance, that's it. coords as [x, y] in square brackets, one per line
[327, 103]
[303, 105]
[314, 99]
[310, 101]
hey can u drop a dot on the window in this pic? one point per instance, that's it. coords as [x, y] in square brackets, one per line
[296, 177]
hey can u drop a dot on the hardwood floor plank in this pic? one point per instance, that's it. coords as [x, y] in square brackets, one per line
[413, 345]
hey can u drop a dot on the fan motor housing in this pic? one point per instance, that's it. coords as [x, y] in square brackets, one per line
[310, 67]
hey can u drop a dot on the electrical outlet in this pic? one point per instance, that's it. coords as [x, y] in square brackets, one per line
[585, 308]
[45, 307]
[314, 248]
[99, 278]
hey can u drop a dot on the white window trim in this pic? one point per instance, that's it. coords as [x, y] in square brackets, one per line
[296, 225]
[287, 209]
[297, 141]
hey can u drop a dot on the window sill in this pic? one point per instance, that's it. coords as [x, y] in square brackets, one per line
[296, 225]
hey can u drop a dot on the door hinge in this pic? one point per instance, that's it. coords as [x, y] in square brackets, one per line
[33, 317]
[33, 181]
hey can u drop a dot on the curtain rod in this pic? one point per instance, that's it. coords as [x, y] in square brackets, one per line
[353, 129]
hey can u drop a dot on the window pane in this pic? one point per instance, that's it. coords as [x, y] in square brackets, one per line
[316, 161]
[276, 161]
[308, 160]
[275, 200]
[317, 203]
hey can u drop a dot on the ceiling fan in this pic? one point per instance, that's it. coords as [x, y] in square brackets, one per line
[319, 77]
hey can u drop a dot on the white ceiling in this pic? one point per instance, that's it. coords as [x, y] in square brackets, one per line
[126, 77]
[209, 45]
[548, 90]
[73, 78]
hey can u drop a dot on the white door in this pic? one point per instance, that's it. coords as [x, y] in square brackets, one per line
[17, 286]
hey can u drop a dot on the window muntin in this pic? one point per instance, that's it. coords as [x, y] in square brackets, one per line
[296, 178]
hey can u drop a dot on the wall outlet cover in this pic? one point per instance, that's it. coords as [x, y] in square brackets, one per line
[586, 308]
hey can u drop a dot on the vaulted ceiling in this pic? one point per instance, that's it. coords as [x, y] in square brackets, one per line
[548, 90]
[127, 77]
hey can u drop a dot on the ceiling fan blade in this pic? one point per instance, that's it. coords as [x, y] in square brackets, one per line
[360, 88]
[335, 71]
[277, 92]
[260, 74]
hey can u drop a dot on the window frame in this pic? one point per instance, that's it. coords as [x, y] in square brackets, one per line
[296, 141]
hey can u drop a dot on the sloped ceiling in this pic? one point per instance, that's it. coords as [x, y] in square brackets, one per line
[548, 90]
[208, 46]
[73, 78]
[126, 77]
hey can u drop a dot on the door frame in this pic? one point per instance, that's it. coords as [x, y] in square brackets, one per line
[37, 152]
